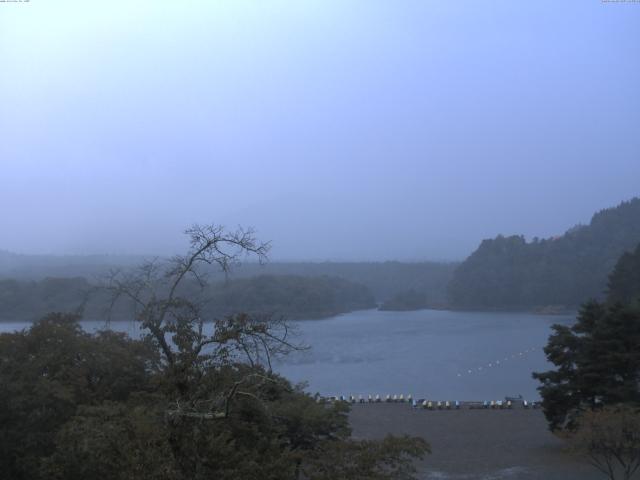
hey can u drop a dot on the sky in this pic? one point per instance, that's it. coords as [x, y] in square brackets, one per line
[338, 129]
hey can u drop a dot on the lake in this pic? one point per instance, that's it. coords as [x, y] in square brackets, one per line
[427, 353]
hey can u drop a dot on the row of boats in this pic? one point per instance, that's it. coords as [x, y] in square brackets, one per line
[507, 403]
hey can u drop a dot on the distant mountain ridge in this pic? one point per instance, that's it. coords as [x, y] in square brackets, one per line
[508, 272]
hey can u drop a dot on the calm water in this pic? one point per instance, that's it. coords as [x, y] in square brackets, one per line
[426, 353]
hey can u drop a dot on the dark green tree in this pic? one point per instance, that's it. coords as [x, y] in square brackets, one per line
[51, 369]
[624, 281]
[598, 358]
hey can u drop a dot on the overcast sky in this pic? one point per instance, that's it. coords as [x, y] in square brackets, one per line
[338, 129]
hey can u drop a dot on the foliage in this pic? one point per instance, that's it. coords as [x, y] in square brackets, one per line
[406, 300]
[509, 272]
[292, 296]
[610, 438]
[195, 398]
[597, 360]
[624, 281]
[48, 371]
[30, 300]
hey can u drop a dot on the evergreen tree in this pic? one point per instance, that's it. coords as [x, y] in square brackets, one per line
[598, 358]
[624, 281]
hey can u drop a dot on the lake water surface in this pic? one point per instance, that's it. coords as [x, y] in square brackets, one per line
[427, 353]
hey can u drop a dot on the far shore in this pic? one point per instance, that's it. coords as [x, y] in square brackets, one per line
[549, 310]
[315, 316]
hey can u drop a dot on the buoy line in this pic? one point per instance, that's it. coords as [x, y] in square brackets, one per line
[496, 363]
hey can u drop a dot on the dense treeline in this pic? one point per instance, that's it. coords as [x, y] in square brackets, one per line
[407, 300]
[295, 297]
[30, 300]
[384, 279]
[624, 281]
[509, 272]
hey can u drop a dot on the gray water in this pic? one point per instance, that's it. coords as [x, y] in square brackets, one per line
[426, 353]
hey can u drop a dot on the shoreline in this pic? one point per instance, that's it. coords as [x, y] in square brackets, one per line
[338, 314]
[542, 311]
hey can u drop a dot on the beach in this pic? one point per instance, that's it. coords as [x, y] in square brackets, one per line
[471, 444]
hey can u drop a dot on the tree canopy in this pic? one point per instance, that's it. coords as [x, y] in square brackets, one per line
[194, 398]
[624, 281]
[509, 272]
[598, 358]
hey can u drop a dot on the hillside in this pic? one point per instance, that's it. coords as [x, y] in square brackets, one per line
[624, 281]
[509, 272]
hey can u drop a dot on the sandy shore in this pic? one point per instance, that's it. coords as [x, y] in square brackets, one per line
[476, 444]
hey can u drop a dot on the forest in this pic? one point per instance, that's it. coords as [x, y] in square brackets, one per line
[294, 297]
[509, 272]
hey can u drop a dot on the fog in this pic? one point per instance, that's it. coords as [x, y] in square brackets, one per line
[342, 130]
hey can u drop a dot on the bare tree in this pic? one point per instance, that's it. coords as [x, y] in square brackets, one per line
[610, 438]
[168, 299]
